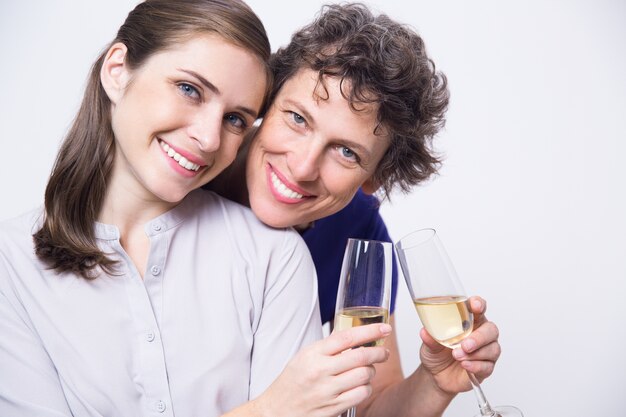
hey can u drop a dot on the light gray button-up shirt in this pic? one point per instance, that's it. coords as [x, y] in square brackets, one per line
[224, 303]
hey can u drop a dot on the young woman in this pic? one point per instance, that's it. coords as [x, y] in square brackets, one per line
[113, 293]
[355, 105]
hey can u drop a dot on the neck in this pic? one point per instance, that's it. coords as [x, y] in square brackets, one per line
[130, 208]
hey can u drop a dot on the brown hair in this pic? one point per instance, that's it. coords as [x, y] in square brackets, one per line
[383, 62]
[78, 183]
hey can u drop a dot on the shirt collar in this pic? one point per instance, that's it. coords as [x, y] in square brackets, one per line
[159, 224]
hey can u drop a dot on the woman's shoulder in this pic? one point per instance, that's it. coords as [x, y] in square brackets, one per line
[213, 206]
[17, 247]
[239, 220]
[236, 231]
[21, 228]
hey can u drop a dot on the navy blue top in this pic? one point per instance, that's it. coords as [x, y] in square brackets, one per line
[327, 241]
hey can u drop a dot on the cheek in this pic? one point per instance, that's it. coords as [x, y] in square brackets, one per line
[123, 127]
[144, 117]
[255, 162]
[342, 184]
[274, 136]
[230, 147]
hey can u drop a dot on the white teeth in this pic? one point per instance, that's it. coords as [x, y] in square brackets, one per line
[182, 161]
[282, 188]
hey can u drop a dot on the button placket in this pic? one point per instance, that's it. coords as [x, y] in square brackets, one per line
[160, 406]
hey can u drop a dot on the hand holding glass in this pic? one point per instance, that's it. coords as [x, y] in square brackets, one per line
[364, 289]
[440, 300]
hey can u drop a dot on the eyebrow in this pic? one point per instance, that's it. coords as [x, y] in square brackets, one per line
[358, 148]
[209, 85]
[302, 110]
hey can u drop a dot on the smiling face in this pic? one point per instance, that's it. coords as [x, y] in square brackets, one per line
[311, 153]
[179, 119]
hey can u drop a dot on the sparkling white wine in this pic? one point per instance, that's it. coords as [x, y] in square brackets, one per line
[447, 318]
[360, 316]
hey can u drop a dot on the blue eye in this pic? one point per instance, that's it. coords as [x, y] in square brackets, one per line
[348, 153]
[236, 122]
[297, 118]
[189, 90]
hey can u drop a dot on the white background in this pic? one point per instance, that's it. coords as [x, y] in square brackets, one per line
[530, 202]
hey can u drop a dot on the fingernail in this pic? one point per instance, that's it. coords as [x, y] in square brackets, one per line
[385, 329]
[469, 345]
[458, 353]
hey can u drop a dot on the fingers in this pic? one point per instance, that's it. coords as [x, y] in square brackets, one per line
[480, 369]
[354, 377]
[342, 340]
[477, 307]
[341, 351]
[353, 397]
[485, 334]
[490, 352]
[356, 358]
[482, 362]
[477, 304]
[479, 354]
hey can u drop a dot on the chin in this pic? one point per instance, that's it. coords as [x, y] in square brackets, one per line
[269, 216]
[172, 197]
[274, 221]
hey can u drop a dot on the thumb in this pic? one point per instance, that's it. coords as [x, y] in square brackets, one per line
[430, 343]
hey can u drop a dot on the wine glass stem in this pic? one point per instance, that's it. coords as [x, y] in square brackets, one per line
[350, 412]
[483, 404]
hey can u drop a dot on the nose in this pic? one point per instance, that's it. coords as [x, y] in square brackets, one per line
[206, 129]
[305, 161]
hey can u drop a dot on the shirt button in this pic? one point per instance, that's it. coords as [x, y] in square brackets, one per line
[156, 227]
[150, 336]
[160, 406]
[155, 270]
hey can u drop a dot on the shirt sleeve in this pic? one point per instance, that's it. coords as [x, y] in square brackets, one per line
[290, 318]
[29, 383]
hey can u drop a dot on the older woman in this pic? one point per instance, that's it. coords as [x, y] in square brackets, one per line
[355, 105]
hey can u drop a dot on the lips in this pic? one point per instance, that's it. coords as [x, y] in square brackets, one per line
[282, 189]
[182, 161]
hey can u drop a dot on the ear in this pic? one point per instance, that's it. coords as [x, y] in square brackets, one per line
[370, 186]
[114, 74]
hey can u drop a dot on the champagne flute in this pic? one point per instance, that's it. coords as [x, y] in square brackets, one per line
[440, 301]
[364, 289]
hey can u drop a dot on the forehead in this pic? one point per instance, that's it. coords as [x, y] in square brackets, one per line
[306, 84]
[328, 111]
[237, 72]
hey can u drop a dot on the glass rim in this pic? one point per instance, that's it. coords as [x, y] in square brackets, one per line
[356, 239]
[428, 232]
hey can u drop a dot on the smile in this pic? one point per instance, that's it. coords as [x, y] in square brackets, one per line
[182, 161]
[282, 189]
